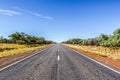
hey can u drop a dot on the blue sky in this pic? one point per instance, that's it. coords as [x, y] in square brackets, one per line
[59, 20]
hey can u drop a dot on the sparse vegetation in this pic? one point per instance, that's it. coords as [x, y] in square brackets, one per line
[103, 45]
[22, 38]
[98, 50]
[102, 40]
[13, 49]
[20, 43]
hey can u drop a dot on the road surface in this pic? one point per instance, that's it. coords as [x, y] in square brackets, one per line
[58, 63]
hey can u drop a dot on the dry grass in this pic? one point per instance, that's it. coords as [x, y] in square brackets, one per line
[113, 53]
[13, 49]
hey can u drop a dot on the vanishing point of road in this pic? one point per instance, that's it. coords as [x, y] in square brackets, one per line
[58, 63]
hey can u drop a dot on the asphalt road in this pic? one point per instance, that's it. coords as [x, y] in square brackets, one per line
[58, 63]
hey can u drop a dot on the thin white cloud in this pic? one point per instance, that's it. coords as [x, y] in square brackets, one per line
[33, 13]
[9, 12]
[47, 17]
[21, 11]
[39, 15]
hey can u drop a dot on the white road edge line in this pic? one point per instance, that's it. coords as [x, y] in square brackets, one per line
[1, 69]
[97, 62]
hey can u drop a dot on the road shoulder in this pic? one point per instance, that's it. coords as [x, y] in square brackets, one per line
[108, 61]
[11, 59]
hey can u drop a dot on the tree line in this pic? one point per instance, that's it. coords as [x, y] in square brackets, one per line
[102, 40]
[22, 38]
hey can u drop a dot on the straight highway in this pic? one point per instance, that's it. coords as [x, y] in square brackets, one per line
[58, 63]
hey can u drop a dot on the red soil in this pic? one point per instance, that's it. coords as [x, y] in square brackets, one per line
[10, 59]
[109, 61]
